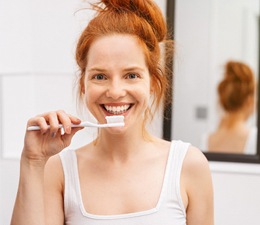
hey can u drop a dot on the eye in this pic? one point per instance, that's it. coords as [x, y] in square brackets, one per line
[132, 76]
[99, 77]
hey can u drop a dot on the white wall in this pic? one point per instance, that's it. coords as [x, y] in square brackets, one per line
[37, 71]
[236, 192]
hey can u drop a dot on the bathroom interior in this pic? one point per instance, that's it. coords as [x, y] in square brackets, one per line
[37, 44]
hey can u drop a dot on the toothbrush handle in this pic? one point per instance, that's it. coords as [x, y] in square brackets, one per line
[84, 124]
[38, 128]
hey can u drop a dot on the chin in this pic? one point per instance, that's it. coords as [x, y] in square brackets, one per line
[116, 130]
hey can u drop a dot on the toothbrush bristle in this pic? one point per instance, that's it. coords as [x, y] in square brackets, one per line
[115, 119]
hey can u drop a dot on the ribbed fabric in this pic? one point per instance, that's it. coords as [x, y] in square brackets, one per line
[168, 211]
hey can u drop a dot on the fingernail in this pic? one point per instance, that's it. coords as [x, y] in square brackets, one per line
[68, 130]
[53, 134]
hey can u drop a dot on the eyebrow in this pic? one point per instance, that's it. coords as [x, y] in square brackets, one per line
[96, 69]
[128, 69]
[133, 68]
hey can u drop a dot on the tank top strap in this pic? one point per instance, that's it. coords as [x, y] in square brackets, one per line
[176, 158]
[71, 186]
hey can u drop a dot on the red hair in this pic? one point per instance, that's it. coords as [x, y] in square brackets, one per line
[237, 85]
[140, 18]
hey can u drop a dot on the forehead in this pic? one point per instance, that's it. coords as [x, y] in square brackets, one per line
[116, 48]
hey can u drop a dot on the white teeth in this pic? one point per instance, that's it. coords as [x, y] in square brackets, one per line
[117, 109]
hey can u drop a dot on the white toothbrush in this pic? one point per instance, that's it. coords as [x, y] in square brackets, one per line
[112, 121]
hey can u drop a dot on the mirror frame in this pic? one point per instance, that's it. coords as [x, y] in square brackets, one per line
[168, 112]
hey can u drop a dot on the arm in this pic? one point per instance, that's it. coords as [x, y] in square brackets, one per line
[53, 191]
[29, 205]
[197, 184]
[39, 146]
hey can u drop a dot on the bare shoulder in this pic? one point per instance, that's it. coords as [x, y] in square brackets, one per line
[195, 161]
[197, 188]
[196, 174]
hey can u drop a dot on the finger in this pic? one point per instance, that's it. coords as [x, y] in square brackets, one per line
[65, 120]
[74, 119]
[38, 121]
[53, 120]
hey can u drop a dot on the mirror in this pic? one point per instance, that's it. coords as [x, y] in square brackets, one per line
[207, 35]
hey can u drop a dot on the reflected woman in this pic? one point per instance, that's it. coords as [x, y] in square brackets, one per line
[236, 94]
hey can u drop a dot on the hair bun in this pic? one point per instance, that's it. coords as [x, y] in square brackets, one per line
[119, 6]
[238, 71]
[146, 9]
[237, 84]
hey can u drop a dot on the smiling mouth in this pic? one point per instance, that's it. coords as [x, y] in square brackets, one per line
[116, 110]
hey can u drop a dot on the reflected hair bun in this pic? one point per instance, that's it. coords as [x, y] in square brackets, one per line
[237, 85]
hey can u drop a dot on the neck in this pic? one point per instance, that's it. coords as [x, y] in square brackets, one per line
[123, 145]
[233, 120]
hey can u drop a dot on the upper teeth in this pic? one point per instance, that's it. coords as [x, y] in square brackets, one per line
[116, 109]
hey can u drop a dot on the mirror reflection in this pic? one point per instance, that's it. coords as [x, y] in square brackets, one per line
[236, 95]
[208, 34]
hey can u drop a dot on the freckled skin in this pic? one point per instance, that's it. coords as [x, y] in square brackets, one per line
[116, 75]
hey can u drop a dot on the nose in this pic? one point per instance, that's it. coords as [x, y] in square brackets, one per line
[116, 89]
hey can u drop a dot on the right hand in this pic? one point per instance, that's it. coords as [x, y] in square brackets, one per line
[40, 145]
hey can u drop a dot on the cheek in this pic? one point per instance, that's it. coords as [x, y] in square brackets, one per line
[144, 94]
[90, 95]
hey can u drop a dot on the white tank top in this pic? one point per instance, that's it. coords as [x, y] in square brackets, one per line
[168, 211]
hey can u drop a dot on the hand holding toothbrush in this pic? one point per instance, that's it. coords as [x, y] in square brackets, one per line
[54, 133]
[49, 140]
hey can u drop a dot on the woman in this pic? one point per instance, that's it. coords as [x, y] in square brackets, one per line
[237, 99]
[126, 175]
